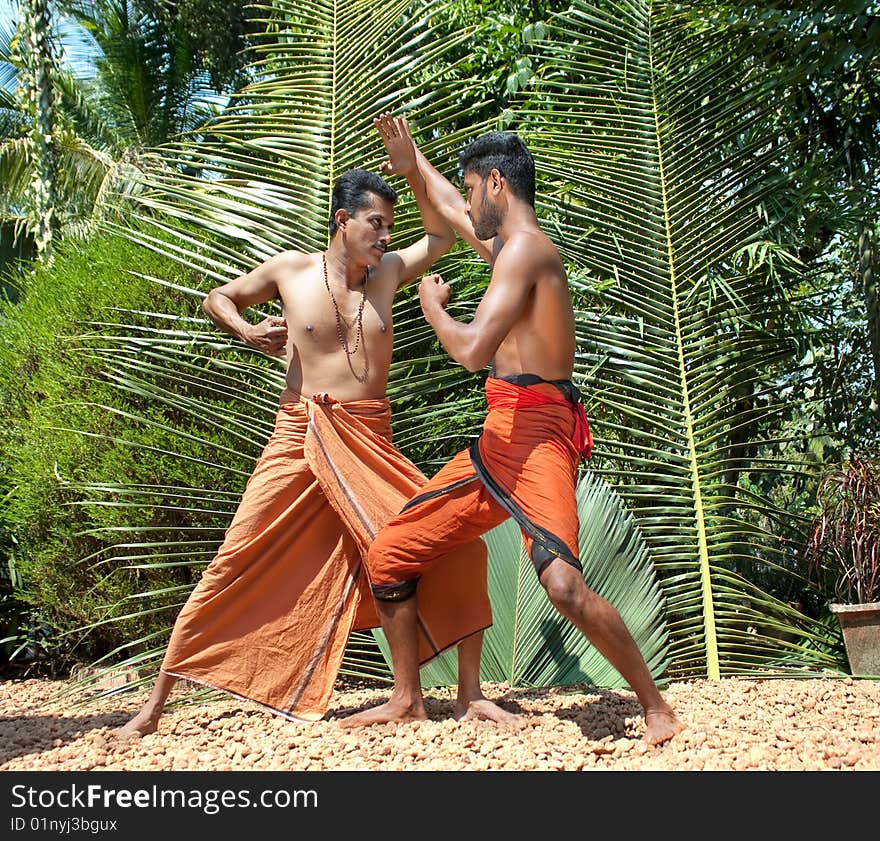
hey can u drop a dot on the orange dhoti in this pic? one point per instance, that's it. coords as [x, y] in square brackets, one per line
[523, 465]
[270, 618]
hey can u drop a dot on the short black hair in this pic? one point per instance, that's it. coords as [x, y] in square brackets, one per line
[504, 151]
[351, 190]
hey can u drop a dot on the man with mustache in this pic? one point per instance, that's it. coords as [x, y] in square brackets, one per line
[272, 613]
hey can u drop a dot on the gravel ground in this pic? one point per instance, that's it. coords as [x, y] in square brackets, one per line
[732, 725]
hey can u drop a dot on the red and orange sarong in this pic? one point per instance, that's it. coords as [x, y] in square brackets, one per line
[270, 618]
[523, 465]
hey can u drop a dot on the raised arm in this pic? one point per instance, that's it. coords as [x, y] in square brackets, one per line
[439, 236]
[448, 201]
[224, 305]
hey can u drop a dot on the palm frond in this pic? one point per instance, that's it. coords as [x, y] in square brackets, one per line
[650, 131]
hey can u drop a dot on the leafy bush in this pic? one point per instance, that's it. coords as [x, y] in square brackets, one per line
[69, 427]
[844, 542]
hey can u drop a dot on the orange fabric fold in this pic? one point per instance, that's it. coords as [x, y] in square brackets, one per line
[271, 616]
[528, 452]
[502, 394]
[523, 465]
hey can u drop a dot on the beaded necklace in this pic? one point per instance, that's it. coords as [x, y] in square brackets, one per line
[342, 335]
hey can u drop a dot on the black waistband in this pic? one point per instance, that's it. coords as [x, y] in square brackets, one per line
[569, 390]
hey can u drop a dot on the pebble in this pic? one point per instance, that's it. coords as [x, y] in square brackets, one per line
[732, 724]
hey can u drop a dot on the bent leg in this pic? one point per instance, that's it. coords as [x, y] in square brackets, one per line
[448, 512]
[603, 626]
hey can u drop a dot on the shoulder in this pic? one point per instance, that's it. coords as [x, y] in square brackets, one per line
[389, 272]
[294, 260]
[285, 265]
[525, 253]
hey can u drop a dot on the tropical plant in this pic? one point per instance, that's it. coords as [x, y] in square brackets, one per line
[255, 204]
[60, 160]
[832, 96]
[844, 541]
[671, 193]
[68, 436]
[664, 173]
[72, 140]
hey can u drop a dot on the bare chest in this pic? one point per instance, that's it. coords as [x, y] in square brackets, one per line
[317, 318]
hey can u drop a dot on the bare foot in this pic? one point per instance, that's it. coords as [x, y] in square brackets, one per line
[141, 725]
[482, 709]
[662, 724]
[391, 711]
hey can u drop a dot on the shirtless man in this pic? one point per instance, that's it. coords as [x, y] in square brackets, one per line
[272, 613]
[525, 462]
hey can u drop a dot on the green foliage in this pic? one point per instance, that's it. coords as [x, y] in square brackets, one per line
[709, 175]
[844, 541]
[150, 71]
[65, 426]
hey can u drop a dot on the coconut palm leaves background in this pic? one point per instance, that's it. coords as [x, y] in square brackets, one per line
[661, 146]
[661, 180]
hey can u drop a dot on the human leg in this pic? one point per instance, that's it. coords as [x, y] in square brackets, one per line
[147, 719]
[399, 621]
[470, 702]
[245, 627]
[603, 626]
[448, 514]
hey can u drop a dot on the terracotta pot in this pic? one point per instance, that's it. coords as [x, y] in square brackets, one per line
[860, 624]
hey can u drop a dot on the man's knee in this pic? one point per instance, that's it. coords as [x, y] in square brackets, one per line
[384, 581]
[564, 585]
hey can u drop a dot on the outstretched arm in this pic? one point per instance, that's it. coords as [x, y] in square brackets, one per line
[224, 305]
[439, 236]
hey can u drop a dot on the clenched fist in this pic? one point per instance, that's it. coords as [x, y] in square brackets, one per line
[269, 336]
[434, 292]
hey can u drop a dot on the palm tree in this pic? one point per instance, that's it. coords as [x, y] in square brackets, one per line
[73, 140]
[271, 158]
[60, 159]
[656, 133]
[662, 179]
[38, 63]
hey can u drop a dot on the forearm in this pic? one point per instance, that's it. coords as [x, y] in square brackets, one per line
[433, 221]
[450, 204]
[443, 196]
[225, 315]
[456, 337]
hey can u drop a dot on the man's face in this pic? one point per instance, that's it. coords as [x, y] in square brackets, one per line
[481, 210]
[367, 233]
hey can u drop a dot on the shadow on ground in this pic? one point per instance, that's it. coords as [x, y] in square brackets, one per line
[601, 714]
[26, 734]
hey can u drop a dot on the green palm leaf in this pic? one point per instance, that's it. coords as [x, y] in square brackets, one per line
[659, 183]
[649, 125]
[270, 160]
[273, 155]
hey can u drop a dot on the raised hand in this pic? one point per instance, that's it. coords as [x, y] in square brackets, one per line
[398, 141]
[269, 336]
